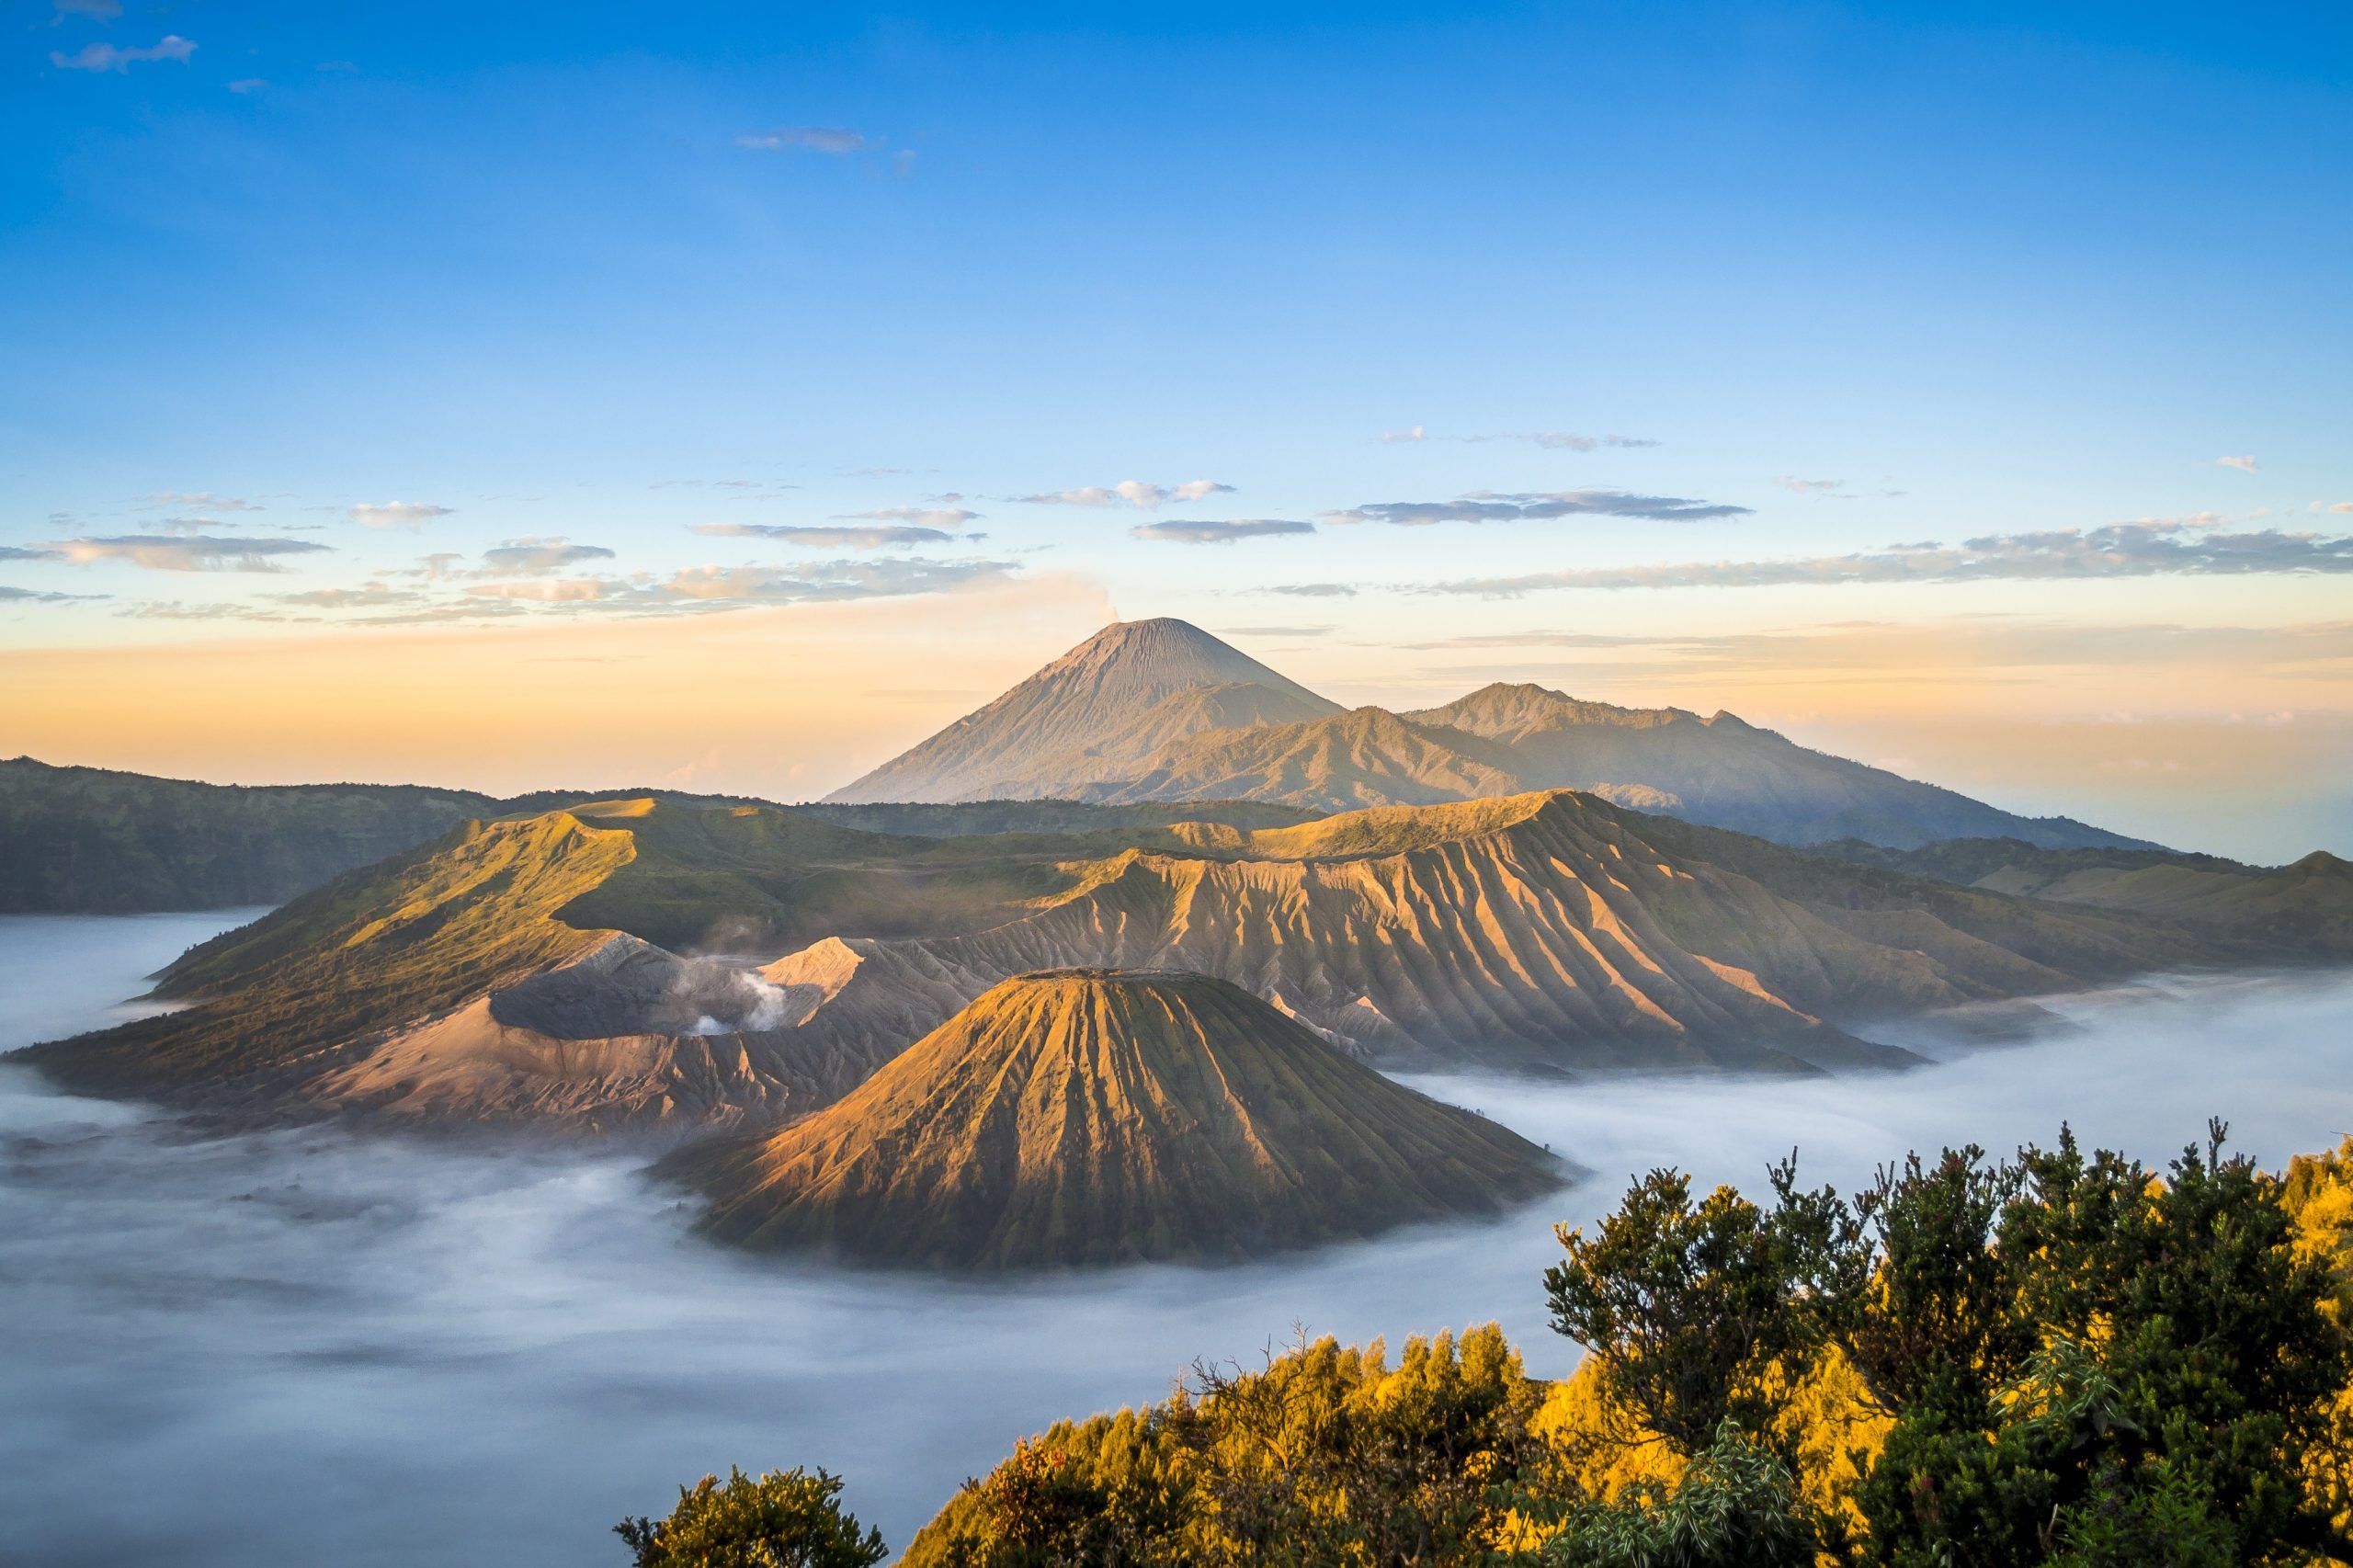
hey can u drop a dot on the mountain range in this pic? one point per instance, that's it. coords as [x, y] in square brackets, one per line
[1160, 711]
[569, 970]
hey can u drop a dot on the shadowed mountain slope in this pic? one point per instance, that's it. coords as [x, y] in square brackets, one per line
[1090, 1117]
[1123, 694]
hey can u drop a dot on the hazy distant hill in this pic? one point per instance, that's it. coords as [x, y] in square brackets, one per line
[1160, 711]
[94, 841]
[1116, 699]
[1728, 773]
[1102, 1116]
[2300, 910]
[89, 840]
[542, 969]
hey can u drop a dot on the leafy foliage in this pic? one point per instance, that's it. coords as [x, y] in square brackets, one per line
[783, 1519]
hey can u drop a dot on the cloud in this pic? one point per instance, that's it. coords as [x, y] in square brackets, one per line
[558, 591]
[879, 537]
[1311, 590]
[1554, 440]
[17, 552]
[1274, 630]
[373, 595]
[830, 580]
[1806, 486]
[97, 10]
[1562, 441]
[162, 552]
[1219, 533]
[9, 595]
[244, 85]
[924, 517]
[106, 57]
[397, 514]
[2163, 547]
[204, 500]
[2245, 465]
[1489, 506]
[1128, 493]
[521, 557]
[837, 140]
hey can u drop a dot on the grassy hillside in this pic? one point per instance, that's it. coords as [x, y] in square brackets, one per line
[372, 949]
[1096, 1117]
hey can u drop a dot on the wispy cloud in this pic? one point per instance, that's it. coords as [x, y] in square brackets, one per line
[1219, 533]
[106, 57]
[9, 595]
[556, 591]
[1806, 486]
[163, 552]
[204, 500]
[372, 595]
[2187, 546]
[1553, 440]
[922, 517]
[244, 85]
[830, 579]
[1128, 493]
[1274, 630]
[521, 557]
[18, 553]
[1492, 507]
[837, 140]
[97, 10]
[397, 514]
[1310, 590]
[2244, 464]
[879, 536]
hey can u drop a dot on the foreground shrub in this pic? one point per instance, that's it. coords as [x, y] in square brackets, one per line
[783, 1519]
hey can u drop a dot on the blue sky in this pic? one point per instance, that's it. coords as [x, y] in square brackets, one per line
[1839, 279]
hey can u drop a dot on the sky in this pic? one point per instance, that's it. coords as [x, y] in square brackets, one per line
[727, 398]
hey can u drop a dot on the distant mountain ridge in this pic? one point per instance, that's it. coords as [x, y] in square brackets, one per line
[1114, 721]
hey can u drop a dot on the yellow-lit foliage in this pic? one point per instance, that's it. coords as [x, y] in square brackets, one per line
[2318, 1191]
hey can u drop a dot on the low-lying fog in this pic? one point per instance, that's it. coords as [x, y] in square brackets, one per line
[308, 1348]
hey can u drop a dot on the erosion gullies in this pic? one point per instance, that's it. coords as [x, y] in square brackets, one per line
[1102, 1116]
[1130, 689]
[546, 970]
[1540, 932]
[1365, 757]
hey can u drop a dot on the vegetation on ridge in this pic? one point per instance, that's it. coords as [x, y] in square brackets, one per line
[2063, 1360]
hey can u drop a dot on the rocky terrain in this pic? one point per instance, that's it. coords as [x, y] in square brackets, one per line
[1089, 1117]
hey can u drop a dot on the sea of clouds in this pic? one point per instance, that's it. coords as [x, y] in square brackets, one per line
[308, 1347]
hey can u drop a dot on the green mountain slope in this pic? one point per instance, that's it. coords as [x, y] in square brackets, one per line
[1092, 1117]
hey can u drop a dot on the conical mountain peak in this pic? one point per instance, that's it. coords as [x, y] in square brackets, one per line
[1128, 690]
[1092, 1116]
